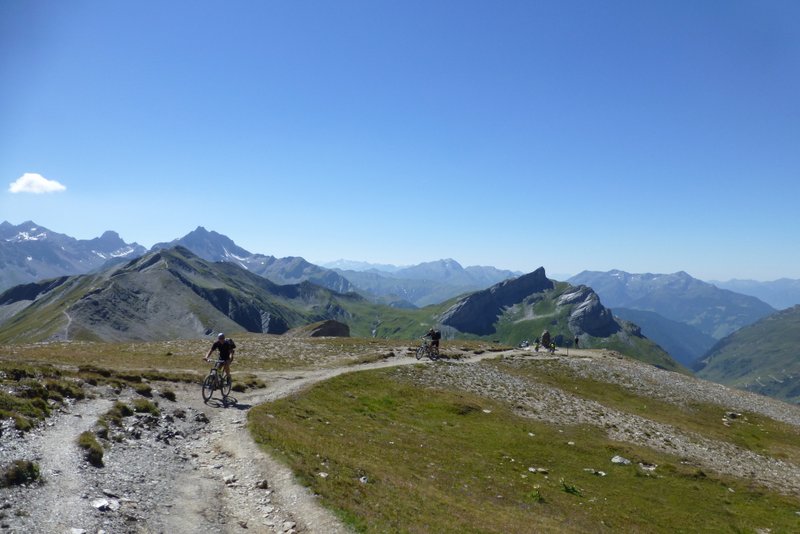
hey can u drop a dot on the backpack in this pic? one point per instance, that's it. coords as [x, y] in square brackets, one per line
[436, 335]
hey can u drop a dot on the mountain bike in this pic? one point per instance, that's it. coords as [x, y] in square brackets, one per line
[216, 379]
[427, 350]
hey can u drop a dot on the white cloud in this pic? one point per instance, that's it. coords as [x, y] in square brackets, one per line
[31, 182]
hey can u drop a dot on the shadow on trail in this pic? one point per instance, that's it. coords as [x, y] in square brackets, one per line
[227, 402]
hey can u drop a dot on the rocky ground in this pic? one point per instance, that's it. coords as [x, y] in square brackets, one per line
[195, 468]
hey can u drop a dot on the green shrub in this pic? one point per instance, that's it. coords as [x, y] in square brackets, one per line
[24, 411]
[93, 369]
[19, 472]
[128, 377]
[115, 414]
[65, 389]
[22, 423]
[18, 373]
[93, 451]
[31, 389]
[145, 406]
[143, 389]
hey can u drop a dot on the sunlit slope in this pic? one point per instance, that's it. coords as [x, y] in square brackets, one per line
[763, 357]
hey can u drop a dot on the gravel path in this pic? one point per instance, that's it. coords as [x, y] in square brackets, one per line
[193, 470]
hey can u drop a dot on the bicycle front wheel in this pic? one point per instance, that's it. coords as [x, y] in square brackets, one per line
[226, 385]
[420, 352]
[208, 387]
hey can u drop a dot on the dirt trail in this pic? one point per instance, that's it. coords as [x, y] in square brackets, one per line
[61, 462]
[194, 469]
[227, 452]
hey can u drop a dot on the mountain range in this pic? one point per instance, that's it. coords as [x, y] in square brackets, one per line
[29, 252]
[52, 278]
[781, 294]
[172, 293]
[705, 312]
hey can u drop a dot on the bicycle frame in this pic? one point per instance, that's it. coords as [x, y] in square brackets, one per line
[427, 349]
[216, 380]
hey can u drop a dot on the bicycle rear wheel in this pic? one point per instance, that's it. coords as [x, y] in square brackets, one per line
[208, 387]
[226, 385]
[434, 354]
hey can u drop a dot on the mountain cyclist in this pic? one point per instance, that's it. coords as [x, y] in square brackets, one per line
[226, 348]
[435, 336]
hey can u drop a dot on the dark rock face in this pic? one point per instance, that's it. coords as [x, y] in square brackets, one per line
[478, 312]
[30, 291]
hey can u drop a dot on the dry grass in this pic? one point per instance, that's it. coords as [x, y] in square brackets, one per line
[254, 352]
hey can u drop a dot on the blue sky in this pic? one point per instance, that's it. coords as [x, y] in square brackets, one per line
[644, 136]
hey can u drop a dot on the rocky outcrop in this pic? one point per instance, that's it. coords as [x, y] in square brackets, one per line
[588, 316]
[477, 313]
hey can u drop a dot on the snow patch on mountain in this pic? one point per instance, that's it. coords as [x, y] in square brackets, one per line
[28, 236]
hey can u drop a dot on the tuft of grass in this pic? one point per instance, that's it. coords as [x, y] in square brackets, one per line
[114, 416]
[571, 489]
[168, 394]
[93, 451]
[22, 423]
[24, 411]
[145, 406]
[19, 472]
[145, 390]
[64, 388]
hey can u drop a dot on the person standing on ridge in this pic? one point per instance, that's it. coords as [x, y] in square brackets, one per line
[546, 340]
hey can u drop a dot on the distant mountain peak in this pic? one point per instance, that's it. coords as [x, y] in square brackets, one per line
[32, 253]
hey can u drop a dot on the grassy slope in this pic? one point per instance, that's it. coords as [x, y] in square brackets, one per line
[761, 357]
[391, 460]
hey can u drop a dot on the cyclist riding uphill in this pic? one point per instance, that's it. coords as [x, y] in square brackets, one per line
[226, 348]
[435, 336]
